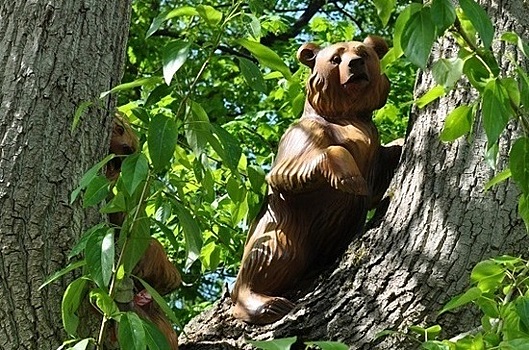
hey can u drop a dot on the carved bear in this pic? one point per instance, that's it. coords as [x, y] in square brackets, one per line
[154, 267]
[325, 178]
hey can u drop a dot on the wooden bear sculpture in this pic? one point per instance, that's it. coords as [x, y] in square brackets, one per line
[154, 267]
[325, 177]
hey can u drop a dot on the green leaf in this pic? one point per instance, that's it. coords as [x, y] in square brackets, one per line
[155, 339]
[418, 37]
[197, 128]
[89, 176]
[522, 309]
[235, 190]
[137, 242]
[427, 333]
[488, 306]
[480, 19]
[99, 256]
[276, 344]
[79, 111]
[132, 85]
[384, 9]
[477, 72]
[457, 123]
[161, 138]
[159, 300]
[515, 344]
[210, 256]
[430, 96]
[252, 75]
[256, 175]
[131, 334]
[462, 299]
[71, 300]
[519, 163]
[158, 21]
[134, 171]
[192, 233]
[515, 39]
[98, 229]
[227, 147]
[491, 155]
[401, 24]
[435, 345]
[174, 56]
[524, 87]
[443, 15]
[328, 345]
[496, 110]
[447, 72]
[209, 14]
[513, 91]
[523, 209]
[499, 178]
[488, 275]
[56, 275]
[96, 191]
[266, 57]
[253, 26]
[104, 302]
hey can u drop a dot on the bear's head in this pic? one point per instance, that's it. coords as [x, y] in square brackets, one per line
[345, 80]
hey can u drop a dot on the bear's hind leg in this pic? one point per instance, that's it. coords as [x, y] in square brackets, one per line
[258, 308]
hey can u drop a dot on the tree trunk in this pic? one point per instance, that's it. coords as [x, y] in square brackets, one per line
[440, 222]
[54, 54]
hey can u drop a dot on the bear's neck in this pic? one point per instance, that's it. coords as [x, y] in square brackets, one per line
[333, 115]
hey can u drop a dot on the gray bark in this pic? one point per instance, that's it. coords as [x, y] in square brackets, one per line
[440, 222]
[54, 54]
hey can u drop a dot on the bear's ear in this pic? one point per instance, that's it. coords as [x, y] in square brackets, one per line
[378, 44]
[307, 54]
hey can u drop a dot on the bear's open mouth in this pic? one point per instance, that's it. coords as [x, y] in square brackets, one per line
[356, 78]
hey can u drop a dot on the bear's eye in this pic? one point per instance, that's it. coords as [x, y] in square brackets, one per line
[336, 59]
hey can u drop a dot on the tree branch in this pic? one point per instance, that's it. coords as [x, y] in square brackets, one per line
[295, 29]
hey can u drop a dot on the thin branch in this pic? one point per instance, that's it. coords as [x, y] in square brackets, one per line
[222, 48]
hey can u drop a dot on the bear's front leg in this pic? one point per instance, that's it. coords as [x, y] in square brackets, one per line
[333, 165]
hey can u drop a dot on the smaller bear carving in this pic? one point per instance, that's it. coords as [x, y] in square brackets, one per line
[325, 177]
[154, 267]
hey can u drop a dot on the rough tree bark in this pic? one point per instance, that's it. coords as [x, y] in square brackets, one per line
[438, 225]
[54, 54]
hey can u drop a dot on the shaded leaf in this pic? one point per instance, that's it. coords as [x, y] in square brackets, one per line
[443, 15]
[159, 300]
[155, 339]
[384, 9]
[89, 176]
[161, 138]
[70, 267]
[496, 110]
[523, 209]
[480, 19]
[519, 163]
[447, 72]
[134, 171]
[252, 75]
[418, 37]
[71, 300]
[137, 241]
[131, 334]
[96, 191]
[192, 233]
